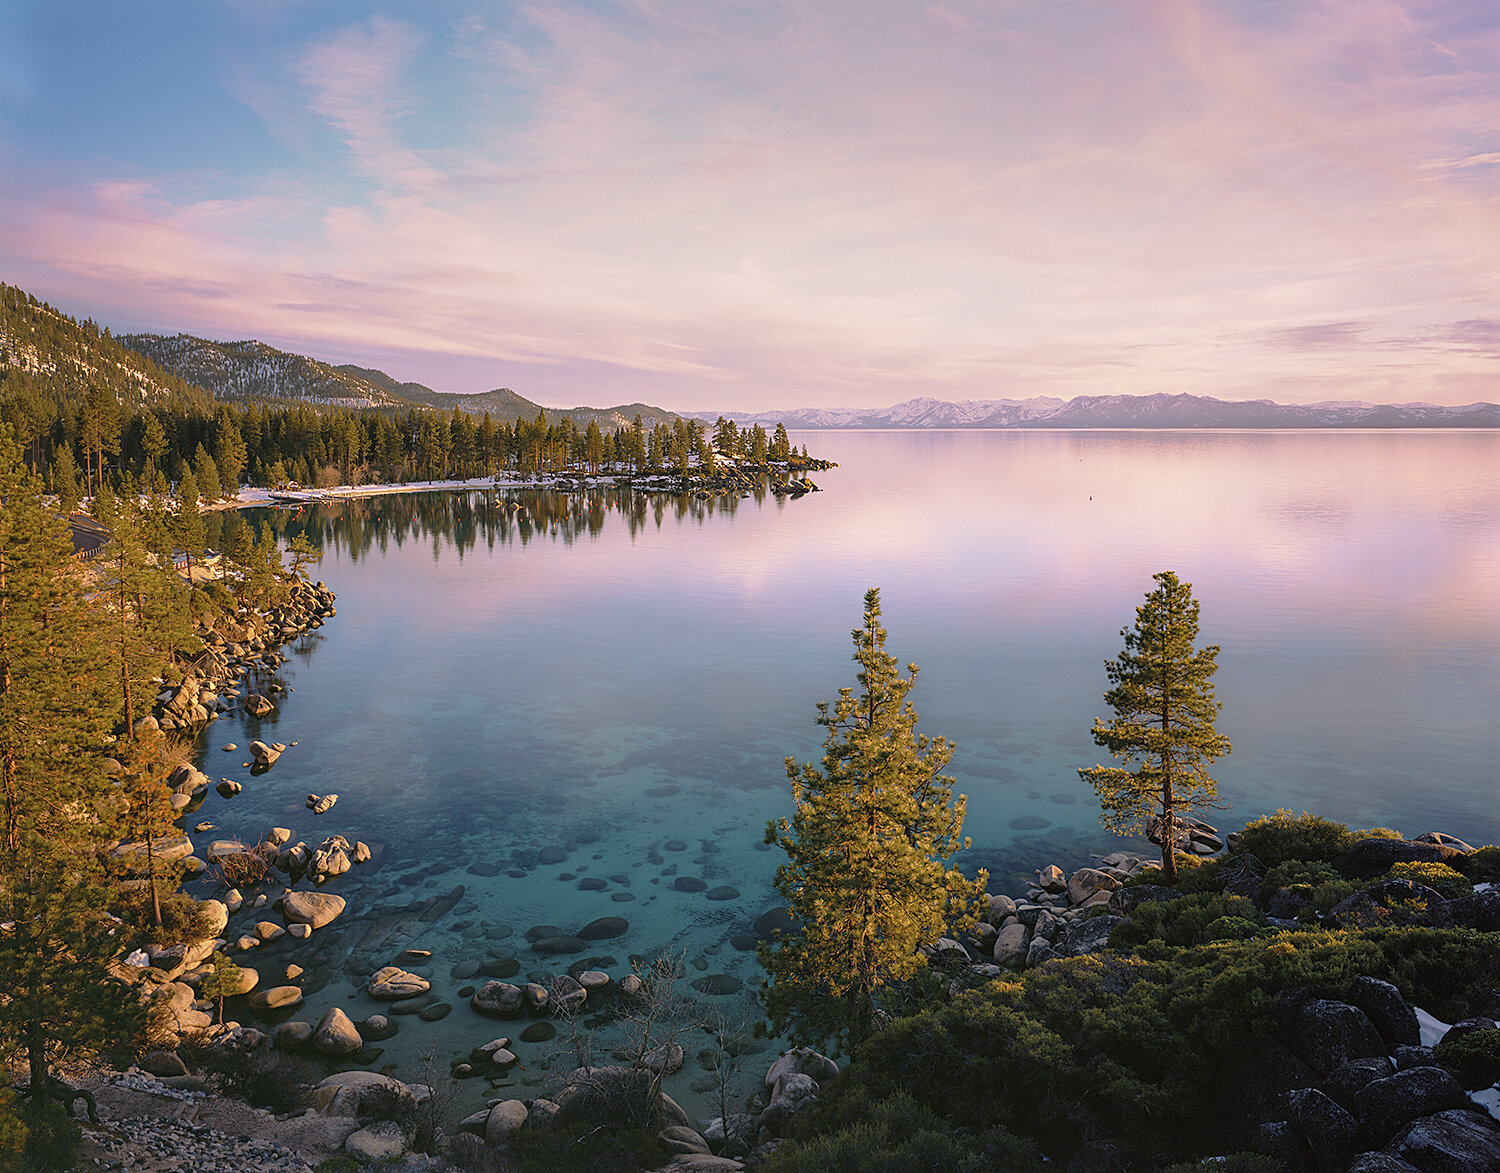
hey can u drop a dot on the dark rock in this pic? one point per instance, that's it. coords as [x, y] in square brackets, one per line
[1328, 1034]
[500, 968]
[537, 932]
[1405, 1058]
[718, 983]
[1123, 901]
[1451, 1142]
[1372, 908]
[1381, 1163]
[1328, 1129]
[1371, 857]
[1282, 1142]
[689, 884]
[1342, 1085]
[723, 892]
[438, 1010]
[744, 942]
[775, 921]
[1384, 1105]
[564, 944]
[1088, 936]
[1286, 904]
[539, 1032]
[604, 928]
[1387, 1009]
[592, 884]
[550, 855]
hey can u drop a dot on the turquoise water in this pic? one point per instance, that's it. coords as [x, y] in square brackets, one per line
[620, 677]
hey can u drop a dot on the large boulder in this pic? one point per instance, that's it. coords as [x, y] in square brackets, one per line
[803, 1061]
[1088, 936]
[1327, 1034]
[1455, 1141]
[275, 998]
[1387, 1009]
[335, 1034]
[311, 908]
[1011, 943]
[1384, 1105]
[1328, 1130]
[1086, 882]
[498, 1000]
[393, 983]
[793, 1093]
[385, 1140]
[504, 1120]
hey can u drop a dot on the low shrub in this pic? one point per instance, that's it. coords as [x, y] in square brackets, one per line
[182, 917]
[274, 1080]
[1375, 833]
[12, 1132]
[1232, 1163]
[1301, 876]
[1276, 838]
[564, 1151]
[1473, 1058]
[51, 1139]
[898, 1135]
[1186, 921]
[1441, 878]
[1482, 865]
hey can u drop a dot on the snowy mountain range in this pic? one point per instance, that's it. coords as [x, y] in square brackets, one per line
[1124, 411]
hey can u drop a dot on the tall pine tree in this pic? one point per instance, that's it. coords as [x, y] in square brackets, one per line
[1163, 728]
[865, 877]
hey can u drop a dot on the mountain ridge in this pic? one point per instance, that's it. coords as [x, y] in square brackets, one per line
[1125, 411]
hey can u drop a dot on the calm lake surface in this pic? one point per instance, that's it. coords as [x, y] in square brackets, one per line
[619, 678]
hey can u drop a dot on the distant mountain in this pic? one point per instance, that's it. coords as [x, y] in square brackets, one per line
[244, 372]
[45, 354]
[1125, 411]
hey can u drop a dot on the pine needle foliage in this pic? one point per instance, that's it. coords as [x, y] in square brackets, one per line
[1163, 728]
[865, 877]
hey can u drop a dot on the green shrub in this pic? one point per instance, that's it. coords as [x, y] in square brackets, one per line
[338, 1163]
[1300, 875]
[1473, 1058]
[12, 1132]
[1441, 878]
[1276, 838]
[605, 1151]
[1230, 928]
[52, 1138]
[1233, 1163]
[1327, 894]
[1186, 921]
[1482, 865]
[896, 1135]
[1375, 833]
[273, 1080]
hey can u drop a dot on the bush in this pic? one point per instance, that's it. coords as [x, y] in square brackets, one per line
[182, 917]
[51, 1139]
[1233, 1163]
[1375, 833]
[1441, 878]
[1473, 1058]
[1276, 838]
[1301, 876]
[268, 1079]
[605, 1151]
[1187, 921]
[1482, 865]
[900, 1135]
[12, 1132]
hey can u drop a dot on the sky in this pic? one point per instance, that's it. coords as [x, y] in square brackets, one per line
[772, 204]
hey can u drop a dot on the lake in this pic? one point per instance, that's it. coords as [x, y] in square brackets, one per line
[618, 678]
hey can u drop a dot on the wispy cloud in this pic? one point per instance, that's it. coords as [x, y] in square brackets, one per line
[830, 203]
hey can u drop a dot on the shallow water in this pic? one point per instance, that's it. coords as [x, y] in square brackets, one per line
[619, 677]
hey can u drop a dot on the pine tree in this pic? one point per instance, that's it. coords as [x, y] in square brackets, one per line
[64, 474]
[56, 943]
[865, 878]
[52, 702]
[188, 530]
[223, 982]
[1163, 727]
[207, 474]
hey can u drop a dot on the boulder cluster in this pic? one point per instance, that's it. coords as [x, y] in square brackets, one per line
[632, 1096]
[1377, 1101]
[232, 648]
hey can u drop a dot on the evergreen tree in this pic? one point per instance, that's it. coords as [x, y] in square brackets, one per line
[207, 473]
[52, 701]
[153, 440]
[223, 982]
[864, 878]
[1163, 727]
[188, 530]
[148, 815]
[64, 475]
[55, 949]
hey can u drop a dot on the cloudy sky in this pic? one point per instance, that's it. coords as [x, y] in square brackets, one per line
[766, 204]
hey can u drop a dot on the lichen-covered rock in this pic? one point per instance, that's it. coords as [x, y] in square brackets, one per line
[1384, 1105]
[1455, 1141]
